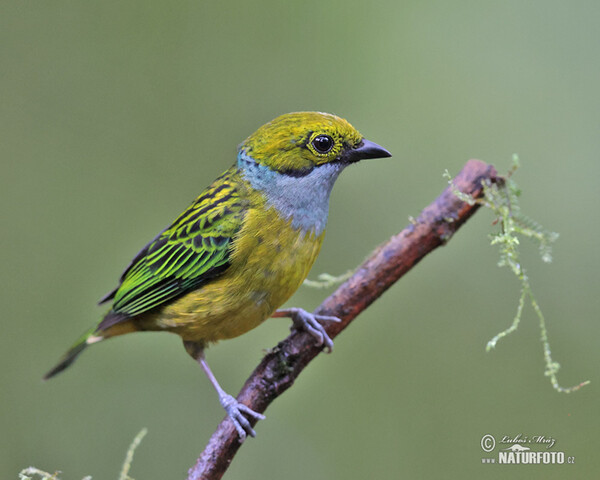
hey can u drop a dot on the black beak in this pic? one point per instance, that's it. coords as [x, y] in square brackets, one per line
[365, 149]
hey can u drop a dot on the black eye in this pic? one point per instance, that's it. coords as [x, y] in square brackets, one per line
[323, 143]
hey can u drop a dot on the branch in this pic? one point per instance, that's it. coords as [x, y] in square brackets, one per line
[281, 366]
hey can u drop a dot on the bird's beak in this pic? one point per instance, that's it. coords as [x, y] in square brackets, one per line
[366, 149]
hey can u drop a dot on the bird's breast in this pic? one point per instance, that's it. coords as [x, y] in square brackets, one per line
[270, 259]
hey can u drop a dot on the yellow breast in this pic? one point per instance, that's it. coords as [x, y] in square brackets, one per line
[269, 261]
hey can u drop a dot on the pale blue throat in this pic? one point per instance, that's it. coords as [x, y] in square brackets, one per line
[304, 199]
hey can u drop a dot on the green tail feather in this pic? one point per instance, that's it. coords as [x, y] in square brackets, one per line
[69, 357]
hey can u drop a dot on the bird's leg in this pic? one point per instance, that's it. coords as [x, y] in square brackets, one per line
[303, 320]
[235, 410]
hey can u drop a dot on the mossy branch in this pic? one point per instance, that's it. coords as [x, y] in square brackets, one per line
[281, 366]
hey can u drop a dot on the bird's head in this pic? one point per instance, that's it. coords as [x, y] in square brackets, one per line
[296, 143]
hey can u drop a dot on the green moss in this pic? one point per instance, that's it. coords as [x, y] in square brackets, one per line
[501, 197]
[32, 473]
[283, 366]
[325, 280]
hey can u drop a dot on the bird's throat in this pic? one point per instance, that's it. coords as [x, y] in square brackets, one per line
[304, 199]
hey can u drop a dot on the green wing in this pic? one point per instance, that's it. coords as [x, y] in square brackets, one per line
[195, 248]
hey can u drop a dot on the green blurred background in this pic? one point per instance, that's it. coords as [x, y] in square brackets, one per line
[115, 115]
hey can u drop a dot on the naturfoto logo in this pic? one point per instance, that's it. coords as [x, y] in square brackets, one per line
[519, 450]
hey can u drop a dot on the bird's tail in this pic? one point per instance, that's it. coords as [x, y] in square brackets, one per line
[68, 358]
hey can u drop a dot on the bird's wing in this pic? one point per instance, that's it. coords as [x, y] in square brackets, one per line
[195, 248]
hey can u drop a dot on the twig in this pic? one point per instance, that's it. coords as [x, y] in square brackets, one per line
[281, 366]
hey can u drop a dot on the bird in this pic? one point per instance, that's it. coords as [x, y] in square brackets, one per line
[241, 249]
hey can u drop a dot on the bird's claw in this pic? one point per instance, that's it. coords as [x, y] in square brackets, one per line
[235, 411]
[303, 320]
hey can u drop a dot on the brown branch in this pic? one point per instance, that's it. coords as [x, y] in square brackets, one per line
[281, 366]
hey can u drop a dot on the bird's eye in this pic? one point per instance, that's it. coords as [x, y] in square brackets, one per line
[323, 143]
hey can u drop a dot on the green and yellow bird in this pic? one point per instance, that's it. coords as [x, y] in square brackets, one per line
[241, 249]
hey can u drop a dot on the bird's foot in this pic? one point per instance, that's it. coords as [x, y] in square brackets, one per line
[236, 410]
[309, 322]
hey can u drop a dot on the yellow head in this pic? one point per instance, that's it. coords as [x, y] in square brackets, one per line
[296, 143]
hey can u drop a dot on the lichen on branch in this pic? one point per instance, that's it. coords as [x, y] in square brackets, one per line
[502, 198]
